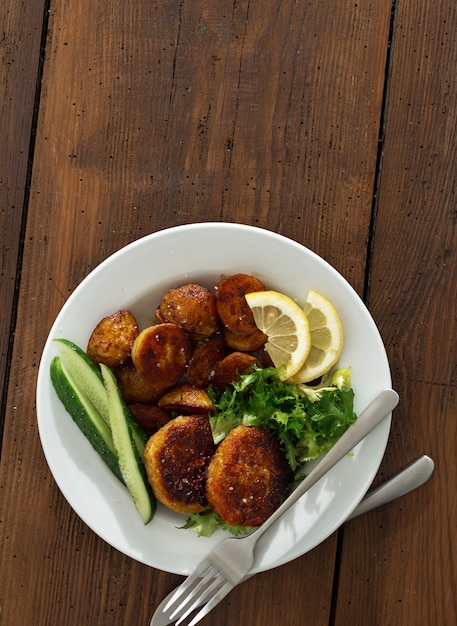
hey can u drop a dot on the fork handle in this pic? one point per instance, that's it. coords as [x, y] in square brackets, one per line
[373, 415]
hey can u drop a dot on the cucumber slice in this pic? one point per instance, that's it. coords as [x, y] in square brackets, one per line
[130, 462]
[90, 381]
[88, 375]
[85, 415]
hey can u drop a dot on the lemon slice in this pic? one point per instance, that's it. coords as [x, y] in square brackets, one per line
[286, 326]
[326, 338]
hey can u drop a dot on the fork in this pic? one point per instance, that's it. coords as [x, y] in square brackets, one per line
[409, 478]
[231, 560]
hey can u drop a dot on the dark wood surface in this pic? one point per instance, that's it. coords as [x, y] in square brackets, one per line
[334, 124]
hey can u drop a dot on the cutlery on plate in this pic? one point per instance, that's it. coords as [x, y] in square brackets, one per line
[230, 561]
[409, 478]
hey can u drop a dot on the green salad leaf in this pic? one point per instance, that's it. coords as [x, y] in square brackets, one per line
[307, 420]
[206, 523]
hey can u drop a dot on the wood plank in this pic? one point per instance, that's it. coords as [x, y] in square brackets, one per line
[20, 39]
[134, 97]
[155, 114]
[398, 564]
[405, 572]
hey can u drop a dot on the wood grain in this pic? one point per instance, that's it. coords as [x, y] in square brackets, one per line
[406, 565]
[119, 153]
[20, 40]
[168, 116]
[153, 114]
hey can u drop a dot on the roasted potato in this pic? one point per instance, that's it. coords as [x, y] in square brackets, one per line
[176, 459]
[186, 399]
[149, 417]
[193, 308]
[204, 360]
[231, 367]
[111, 340]
[247, 477]
[161, 353]
[245, 343]
[231, 304]
[134, 387]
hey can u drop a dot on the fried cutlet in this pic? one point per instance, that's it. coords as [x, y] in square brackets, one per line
[176, 460]
[247, 477]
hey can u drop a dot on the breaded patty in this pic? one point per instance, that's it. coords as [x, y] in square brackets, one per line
[247, 477]
[176, 460]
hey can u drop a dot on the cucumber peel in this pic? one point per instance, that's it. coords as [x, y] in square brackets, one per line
[129, 459]
[95, 403]
[90, 382]
[84, 414]
[87, 374]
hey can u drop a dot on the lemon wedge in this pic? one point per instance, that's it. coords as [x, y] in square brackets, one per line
[326, 338]
[286, 325]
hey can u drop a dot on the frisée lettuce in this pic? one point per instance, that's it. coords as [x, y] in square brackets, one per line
[307, 420]
[205, 524]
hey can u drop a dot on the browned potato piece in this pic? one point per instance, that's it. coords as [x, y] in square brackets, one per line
[186, 399]
[149, 417]
[247, 477]
[203, 362]
[161, 353]
[193, 307]
[134, 387]
[160, 318]
[229, 369]
[232, 307]
[245, 343]
[111, 340]
[176, 458]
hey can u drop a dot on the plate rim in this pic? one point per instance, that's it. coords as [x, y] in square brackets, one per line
[144, 241]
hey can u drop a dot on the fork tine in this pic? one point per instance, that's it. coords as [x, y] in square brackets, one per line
[191, 581]
[201, 598]
[223, 591]
[200, 588]
[194, 594]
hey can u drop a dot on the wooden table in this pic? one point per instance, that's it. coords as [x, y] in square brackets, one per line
[334, 124]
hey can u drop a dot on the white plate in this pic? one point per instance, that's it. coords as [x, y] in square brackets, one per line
[135, 278]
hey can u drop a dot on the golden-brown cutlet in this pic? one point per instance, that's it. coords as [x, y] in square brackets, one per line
[176, 459]
[247, 477]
